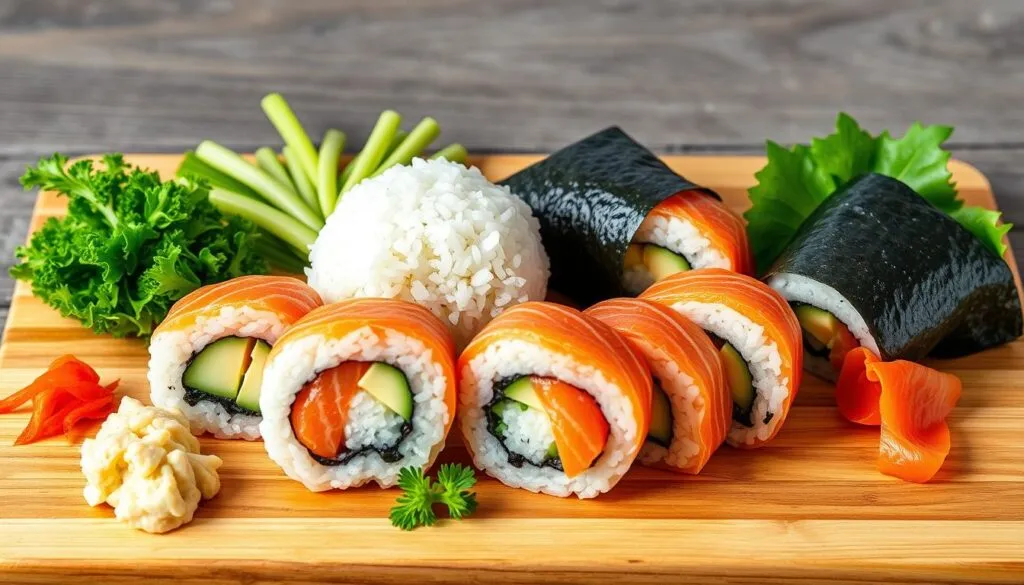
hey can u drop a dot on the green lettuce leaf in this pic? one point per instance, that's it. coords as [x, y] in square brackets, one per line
[984, 224]
[796, 180]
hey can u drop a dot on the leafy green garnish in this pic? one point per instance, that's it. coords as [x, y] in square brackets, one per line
[129, 246]
[415, 506]
[796, 180]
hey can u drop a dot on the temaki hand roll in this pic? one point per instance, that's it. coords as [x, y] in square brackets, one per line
[877, 265]
[356, 391]
[691, 408]
[759, 340]
[553, 401]
[207, 356]
[615, 219]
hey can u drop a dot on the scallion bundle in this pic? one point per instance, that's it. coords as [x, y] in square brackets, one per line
[289, 196]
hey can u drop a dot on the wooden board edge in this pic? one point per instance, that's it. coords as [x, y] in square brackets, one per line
[370, 550]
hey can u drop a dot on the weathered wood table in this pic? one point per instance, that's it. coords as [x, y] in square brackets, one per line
[504, 76]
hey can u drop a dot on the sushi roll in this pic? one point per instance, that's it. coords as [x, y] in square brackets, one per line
[207, 356]
[691, 409]
[614, 219]
[913, 281]
[759, 342]
[357, 390]
[553, 401]
[688, 230]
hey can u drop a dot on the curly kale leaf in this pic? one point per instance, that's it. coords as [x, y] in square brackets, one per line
[129, 246]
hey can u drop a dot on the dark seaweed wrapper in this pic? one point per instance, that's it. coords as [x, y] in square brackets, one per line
[922, 283]
[591, 198]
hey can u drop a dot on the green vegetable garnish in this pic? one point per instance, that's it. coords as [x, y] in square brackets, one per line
[416, 504]
[290, 201]
[327, 173]
[376, 147]
[796, 180]
[130, 246]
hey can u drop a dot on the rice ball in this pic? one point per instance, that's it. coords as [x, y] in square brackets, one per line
[435, 233]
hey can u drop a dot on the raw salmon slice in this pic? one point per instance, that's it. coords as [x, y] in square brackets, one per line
[288, 298]
[320, 410]
[724, 229]
[910, 402]
[663, 336]
[577, 423]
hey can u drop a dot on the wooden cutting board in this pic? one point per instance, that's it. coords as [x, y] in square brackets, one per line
[809, 506]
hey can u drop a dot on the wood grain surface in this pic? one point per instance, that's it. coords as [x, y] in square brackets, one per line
[691, 76]
[808, 507]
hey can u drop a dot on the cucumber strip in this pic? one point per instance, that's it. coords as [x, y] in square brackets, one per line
[294, 135]
[327, 173]
[280, 254]
[399, 137]
[278, 223]
[194, 166]
[452, 153]
[418, 140]
[373, 152]
[305, 187]
[267, 160]
[272, 191]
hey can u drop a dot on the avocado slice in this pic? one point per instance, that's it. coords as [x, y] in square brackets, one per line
[249, 395]
[634, 256]
[661, 417]
[818, 323]
[522, 391]
[552, 452]
[389, 385]
[219, 367]
[741, 383]
[662, 262]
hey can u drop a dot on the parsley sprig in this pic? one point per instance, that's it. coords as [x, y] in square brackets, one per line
[416, 504]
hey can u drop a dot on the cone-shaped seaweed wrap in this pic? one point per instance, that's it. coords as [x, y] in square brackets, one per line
[879, 266]
[614, 219]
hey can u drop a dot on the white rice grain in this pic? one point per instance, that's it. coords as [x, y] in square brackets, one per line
[434, 233]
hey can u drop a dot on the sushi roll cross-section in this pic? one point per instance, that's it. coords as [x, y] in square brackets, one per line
[553, 401]
[615, 219]
[876, 265]
[207, 356]
[356, 391]
[691, 408]
[759, 341]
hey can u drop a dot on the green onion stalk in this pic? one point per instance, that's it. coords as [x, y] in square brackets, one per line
[288, 196]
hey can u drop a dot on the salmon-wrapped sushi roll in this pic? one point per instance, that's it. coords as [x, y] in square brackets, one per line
[691, 409]
[553, 401]
[688, 230]
[357, 390]
[759, 339]
[207, 356]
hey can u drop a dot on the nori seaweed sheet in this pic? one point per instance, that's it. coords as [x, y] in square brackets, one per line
[922, 283]
[591, 198]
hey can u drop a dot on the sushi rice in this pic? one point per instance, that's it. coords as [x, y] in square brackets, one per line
[170, 352]
[762, 358]
[301, 360]
[508, 358]
[688, 413]
[680, 236]
[437, 234]
[801, 289]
